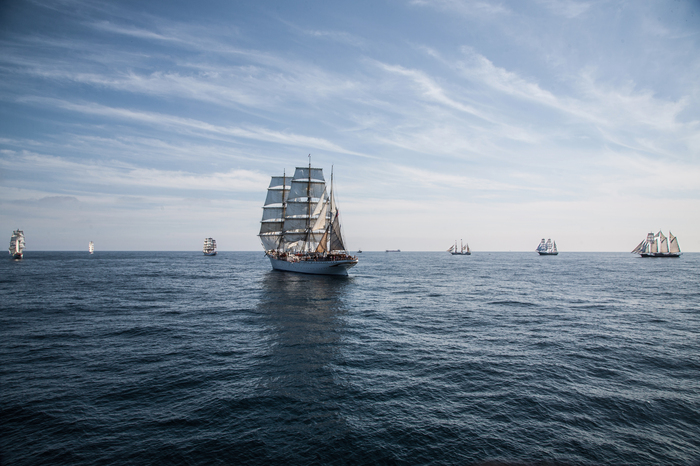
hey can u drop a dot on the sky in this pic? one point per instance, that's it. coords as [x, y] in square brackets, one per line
[152, 125]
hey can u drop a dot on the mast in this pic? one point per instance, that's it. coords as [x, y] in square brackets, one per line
[284, 209]
[330, 224]
[308, 208]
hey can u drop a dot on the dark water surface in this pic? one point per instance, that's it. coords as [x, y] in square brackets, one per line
[416, 358]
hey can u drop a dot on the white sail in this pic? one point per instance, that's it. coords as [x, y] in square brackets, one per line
[554, 248]
[279, 182]
[452, 248]
[336, 238]
[275, 196]
[542, 246]
[273, 213]
[16, 248]
[641, 247]
[675, 248]
[294, 237]
[270, 227]
[295, 224]
[315, 174]
[654, 245]
[270, 240]
[299, 209]
[278, 190]
[304, 189]
[307, 183]
[663, 242]
[91, 247]
[320, 223]
[320, 205]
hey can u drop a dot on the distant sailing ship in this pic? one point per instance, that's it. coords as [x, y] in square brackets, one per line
[393, 250]
[300, 227]
[17, 244]
[91, 247]
[209, 247]
[657, 245]
[462, 251]
[547, 249]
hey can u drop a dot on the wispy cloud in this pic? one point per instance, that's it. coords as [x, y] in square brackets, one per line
[103, 173]
[567, 8]
[191, 125]
[466, 7]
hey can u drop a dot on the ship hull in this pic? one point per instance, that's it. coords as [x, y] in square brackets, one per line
[461, 253]
[17, 255]
[661, 254]
[321, 267]
[213, 253]
[545, 253]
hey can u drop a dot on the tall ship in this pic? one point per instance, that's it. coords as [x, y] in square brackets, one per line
[91, 247]
[209, 248]
[461, 251]
[657, 245]
[300, 228]
[17, 244]
[548, 248]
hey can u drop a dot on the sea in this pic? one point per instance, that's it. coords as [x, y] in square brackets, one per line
[499, 359]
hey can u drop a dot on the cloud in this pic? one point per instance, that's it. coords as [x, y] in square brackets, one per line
[466, 7]
[567, 8]
[58, 200]
[338, 36]
[602, 105]
[191, 125]
[92, 175]
[107, 26]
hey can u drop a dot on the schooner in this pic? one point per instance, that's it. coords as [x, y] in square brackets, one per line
[657, 245]
[300, 228]
[461, 251]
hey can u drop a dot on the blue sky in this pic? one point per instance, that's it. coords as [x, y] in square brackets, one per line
[152, 125]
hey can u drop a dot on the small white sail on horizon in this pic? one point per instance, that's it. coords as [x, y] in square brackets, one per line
[16, 248]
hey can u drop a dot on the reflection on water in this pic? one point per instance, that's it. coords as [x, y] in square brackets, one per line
[304, 315]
